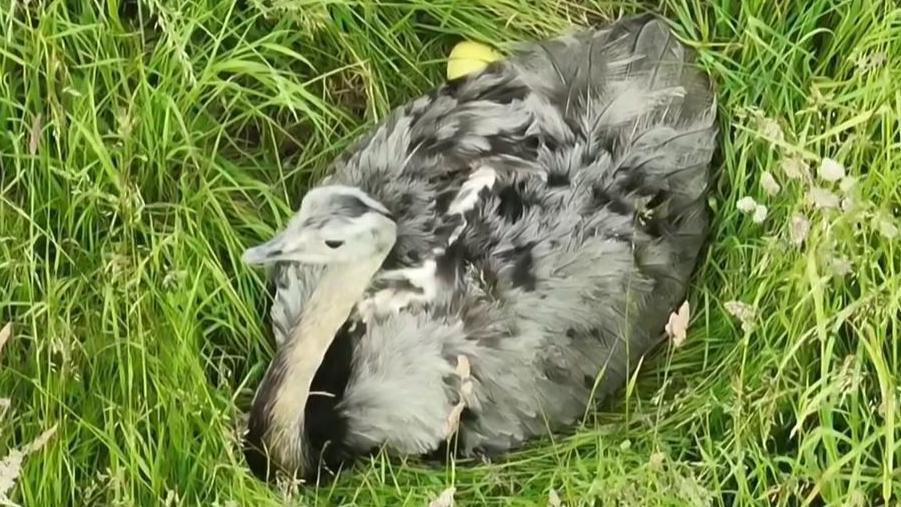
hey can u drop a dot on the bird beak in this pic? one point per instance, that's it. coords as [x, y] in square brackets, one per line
[289, 245]
[266, 253]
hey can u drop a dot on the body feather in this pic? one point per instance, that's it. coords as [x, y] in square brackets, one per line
[554, 275]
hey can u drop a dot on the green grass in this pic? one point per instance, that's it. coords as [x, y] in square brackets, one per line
[144, 145]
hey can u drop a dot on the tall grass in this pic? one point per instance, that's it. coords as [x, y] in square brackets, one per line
[144, 143]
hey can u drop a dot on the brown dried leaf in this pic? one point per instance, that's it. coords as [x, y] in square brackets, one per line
[38, 443]
[10, 468]
[463, 368]
[445, 499]
[677, 327]
[452, 423]
[5, 333]
[34, 141]
[11, 465]
[463, 371]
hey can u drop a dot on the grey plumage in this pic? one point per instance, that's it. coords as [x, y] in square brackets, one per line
[555, 278]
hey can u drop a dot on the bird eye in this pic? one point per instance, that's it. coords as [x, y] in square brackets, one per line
[331, 243]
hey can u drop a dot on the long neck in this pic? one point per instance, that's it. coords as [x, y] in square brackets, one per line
[339, 289]
[291, 373]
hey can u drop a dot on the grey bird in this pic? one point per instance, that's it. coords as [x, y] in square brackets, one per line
[491, 258]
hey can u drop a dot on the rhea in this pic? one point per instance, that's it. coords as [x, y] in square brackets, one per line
[491, 258]
[350, 233]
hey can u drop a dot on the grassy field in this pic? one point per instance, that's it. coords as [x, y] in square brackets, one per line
[144, 144]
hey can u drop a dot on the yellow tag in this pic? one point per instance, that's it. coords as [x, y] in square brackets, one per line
[469, 57]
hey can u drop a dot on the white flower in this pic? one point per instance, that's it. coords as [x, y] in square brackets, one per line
[744, 312]
[840, 266]
[830, 170]
[848, 205]
[866, 63]
[656, 461]
[746, 204]
[759, 215]
[796, 168]
[798, 228]
[886, 226]
[822, 198]
[445, 499]
[847, 184]
[770, 129]
[553, 499]
[769, 184]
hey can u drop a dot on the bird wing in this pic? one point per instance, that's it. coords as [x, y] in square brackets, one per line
[559, 266]
[568, 264]
[427, 162]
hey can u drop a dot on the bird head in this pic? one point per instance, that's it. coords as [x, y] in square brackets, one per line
[289, 425]
[335, 224]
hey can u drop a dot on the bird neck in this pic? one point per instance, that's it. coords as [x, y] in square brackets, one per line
[338, 290]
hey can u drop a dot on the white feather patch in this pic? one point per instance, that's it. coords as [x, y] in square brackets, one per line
[469, 192]
[392, 301]
[424, 278]
[466, 199]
